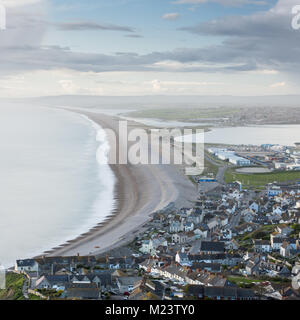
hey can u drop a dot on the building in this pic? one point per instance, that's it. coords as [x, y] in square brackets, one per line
[274, 191]
[126, 284]
[239, 161]
[211, 247]
[179, 238]
[26, 265]
[262, 246]
[82, 291]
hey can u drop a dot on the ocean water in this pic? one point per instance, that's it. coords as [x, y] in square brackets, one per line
[52, 188]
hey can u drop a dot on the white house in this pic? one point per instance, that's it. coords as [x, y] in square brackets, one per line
[254, 207]
[182, 259]
[262, 246]
[26, 265]
[176, 226]
[179, 238]
[277, 211]
[285, 249]
[189, 226]
[212, 224]
[276, 243]
[201, 232]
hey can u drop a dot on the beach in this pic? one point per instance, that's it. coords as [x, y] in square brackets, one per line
[140, 191]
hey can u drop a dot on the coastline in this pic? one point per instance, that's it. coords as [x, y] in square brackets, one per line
[140, 190]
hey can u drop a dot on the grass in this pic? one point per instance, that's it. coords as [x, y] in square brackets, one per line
[241, 280]
[261, 179]
[261, 233]
[14, 285]
[186, 114]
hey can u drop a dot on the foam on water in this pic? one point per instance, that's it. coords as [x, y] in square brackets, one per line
[52, 188]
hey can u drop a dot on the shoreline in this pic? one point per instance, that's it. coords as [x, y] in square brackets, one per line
[140, 190]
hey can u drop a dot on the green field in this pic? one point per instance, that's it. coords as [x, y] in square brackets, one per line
[261, 179]
[186, 114]
[14, 285]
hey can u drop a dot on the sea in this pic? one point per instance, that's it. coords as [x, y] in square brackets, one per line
[52, 188]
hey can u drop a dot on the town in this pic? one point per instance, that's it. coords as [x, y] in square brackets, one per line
[235, 243]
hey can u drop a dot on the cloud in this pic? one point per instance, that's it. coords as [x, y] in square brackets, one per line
[86, 25]
[133, 36]
[264, 39]
[171, 16]
[19, 3]
[278, 85]
[233, 3]
[257, 42]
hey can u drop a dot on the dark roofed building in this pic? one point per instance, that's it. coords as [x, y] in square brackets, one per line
[212, 247]
[83, 291]
[26, 265]
[220, 293]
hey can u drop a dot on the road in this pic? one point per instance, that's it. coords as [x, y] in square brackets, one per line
[221, 170]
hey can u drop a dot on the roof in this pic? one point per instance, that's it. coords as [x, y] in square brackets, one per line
[54, 280]
[215, 291]
[127, 281]
[212, 246]
[26, 263]
[104, 277]
[261, 242]
[82, 291]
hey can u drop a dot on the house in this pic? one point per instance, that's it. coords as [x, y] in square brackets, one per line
[150, 246]
[189, 226]
[254, 207]
[179, 238]
[232, 245]
[284, 230]
[242, 229]
[26, 265]
[262, 246]
[285, 249]
[201, 231]
[276, 242]
[52, 282]
[274, 191]
[212, 247]
[296, 276]
[103, 280]
[176, 226]
[148, 289]
[182, 258]
[277, 211]
[248, 216]
[126, 284]
[174, 273]
[212, 224]
[82, 291]
[151, 265]
[209, 267]
[253, 265]
[220, 293]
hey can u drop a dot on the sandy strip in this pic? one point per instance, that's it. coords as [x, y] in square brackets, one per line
[140, 191]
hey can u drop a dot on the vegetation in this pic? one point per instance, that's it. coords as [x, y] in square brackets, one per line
[261, 233]
[184, 114]
[34, 297]
[51, 293]
[261, 179]
[14, 285]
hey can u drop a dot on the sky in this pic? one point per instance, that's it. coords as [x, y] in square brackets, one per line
[149, 47]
